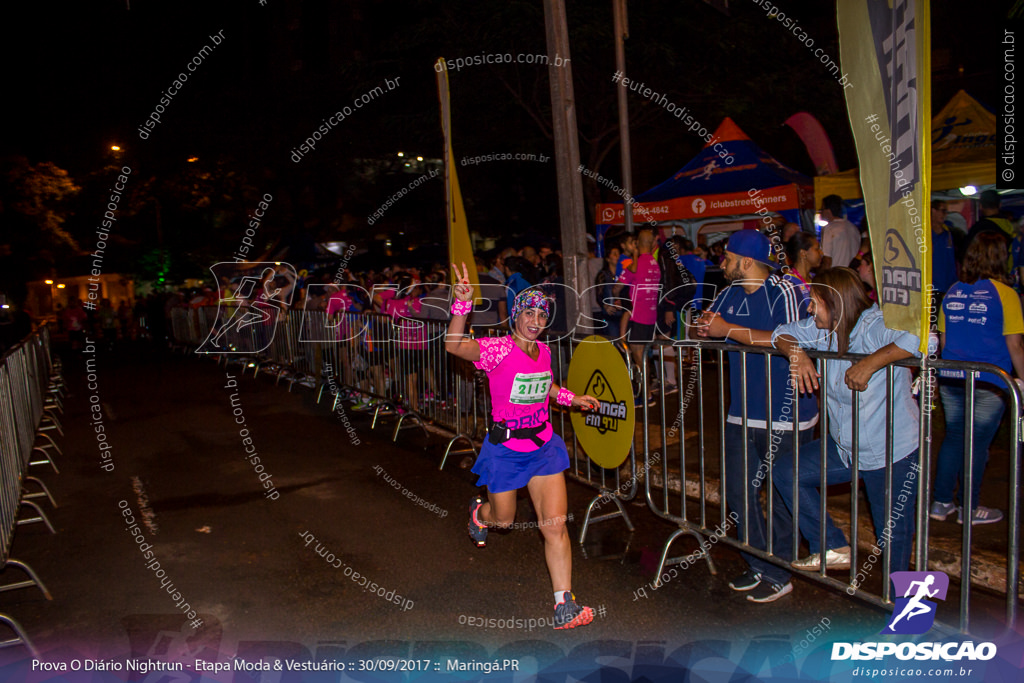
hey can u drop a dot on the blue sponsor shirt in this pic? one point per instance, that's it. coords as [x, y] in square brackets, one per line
[775, 303]
[975, 319]
[869, 335]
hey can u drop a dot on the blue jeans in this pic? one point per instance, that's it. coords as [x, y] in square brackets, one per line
[758, 453]
[988, 412]
[904, 473]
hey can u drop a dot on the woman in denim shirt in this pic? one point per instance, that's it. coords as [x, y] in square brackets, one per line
[846, 321]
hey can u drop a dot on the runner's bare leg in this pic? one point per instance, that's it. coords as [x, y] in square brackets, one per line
[549, 500]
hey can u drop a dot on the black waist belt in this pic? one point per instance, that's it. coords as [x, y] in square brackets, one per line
[500, 433]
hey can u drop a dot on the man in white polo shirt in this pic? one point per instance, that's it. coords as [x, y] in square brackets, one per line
[840, 239]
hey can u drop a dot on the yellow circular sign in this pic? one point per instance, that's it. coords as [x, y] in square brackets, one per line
[598, 369]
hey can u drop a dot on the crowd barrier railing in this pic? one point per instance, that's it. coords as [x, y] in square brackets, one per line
[708, 448]
[30, 402]
[616, 485]
[399, 366]
[402, 367]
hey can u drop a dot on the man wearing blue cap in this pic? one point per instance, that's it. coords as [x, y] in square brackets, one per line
[758, 299]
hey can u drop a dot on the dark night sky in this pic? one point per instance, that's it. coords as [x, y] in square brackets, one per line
[84, 75]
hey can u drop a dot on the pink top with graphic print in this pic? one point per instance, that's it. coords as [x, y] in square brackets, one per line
[341, 303]
[519, 387]
[411, 334]
[644, 285]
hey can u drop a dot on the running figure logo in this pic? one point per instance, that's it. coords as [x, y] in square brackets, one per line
[256, 301]
[914, 613]
[709, 169]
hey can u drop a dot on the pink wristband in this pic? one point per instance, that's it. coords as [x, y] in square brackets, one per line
[461, 307]
[564, 397]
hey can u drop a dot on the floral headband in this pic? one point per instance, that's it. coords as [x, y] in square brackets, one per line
[530, 298]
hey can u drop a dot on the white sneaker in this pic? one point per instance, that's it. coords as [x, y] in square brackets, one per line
[833, 560]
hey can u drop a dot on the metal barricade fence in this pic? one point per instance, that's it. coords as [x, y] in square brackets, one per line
[695, 467]
[615, 485]
[1016, 436]
[416, 381]
[25, 410]
[400, 366]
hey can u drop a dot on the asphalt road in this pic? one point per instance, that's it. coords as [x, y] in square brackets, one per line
[275, 576]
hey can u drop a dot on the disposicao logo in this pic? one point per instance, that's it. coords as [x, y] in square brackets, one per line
[914, 614]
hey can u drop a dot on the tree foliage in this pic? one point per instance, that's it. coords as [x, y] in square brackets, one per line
[34, 205]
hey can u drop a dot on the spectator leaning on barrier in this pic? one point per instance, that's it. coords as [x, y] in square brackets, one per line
[840, 239]
[980, 321]
[845, 321]
[521, 449]
[758, 301]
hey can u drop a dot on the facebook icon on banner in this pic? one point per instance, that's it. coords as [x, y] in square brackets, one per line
[914, 613]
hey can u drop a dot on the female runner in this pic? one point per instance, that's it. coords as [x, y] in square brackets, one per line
[521, 449]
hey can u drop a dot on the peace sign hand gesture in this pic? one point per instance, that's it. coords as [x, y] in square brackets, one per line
[463, 289]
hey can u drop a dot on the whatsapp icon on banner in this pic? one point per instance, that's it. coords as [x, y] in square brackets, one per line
[606, 434]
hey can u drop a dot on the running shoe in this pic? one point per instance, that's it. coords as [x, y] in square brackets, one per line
[769, 591]
[477, 531]
[650, 401]
[748, 581]
[570, 615]
[940, 511]
[982, 515]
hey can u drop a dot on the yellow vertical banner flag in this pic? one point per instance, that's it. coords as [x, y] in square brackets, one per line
[460, 249]
[885, 46]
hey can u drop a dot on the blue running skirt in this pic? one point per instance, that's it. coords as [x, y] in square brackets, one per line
[502, 469]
